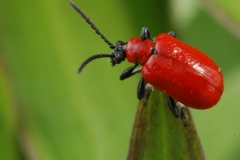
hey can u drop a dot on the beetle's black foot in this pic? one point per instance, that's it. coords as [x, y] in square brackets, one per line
[177, 109]
[172, 34]
[148, 90]
[172, 106]
[182, 114]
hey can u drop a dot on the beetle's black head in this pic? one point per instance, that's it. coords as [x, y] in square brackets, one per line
[119, 53]
[117, 56]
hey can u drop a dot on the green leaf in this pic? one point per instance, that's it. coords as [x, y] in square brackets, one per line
[157, 134]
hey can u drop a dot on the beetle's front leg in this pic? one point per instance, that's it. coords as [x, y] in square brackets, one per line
[129, 72]
[143, 90]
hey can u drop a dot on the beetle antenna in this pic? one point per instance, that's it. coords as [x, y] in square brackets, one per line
[74, 6]
[91, 59]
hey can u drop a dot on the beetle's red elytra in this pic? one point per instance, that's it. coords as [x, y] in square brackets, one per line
[184, 73]
[179, 70]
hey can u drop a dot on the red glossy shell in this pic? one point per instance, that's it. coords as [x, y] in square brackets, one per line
[184, 73]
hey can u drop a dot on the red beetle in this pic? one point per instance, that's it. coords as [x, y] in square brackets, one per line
[179, 70]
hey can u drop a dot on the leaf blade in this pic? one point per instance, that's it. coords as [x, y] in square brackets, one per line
[158, 135]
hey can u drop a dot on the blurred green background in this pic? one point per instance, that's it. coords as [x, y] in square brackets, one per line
[48, 111]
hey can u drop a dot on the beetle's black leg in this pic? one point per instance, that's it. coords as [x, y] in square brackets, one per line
[148, 89]
[172, 34]
[177, 110]
[129, 72]
[183, 115]
[145, 34]
[141, 88]
[143, 91]
[172, 106]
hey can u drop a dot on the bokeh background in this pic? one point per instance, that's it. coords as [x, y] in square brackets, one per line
[48, 111]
